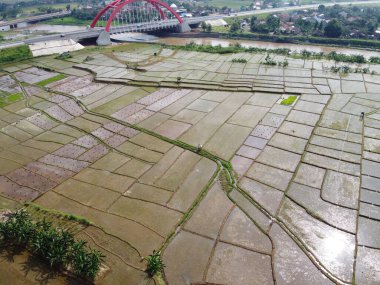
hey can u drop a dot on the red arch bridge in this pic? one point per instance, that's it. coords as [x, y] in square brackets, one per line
[122, 16]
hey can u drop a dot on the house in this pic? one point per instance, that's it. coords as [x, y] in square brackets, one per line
[343, 14]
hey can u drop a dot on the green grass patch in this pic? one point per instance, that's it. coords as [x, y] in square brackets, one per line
[235, 4]
[14, 54]
[56, 215]
[289, 101]
[67, 21]
[50, 80]
[6, 99]
[15, 97]
[62, 6]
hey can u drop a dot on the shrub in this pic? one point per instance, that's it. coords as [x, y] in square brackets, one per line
[64, 55]
[374, 59]
[269, 60]
[86, 262]
[339, 57]
[239, 60]
[17, 229]
[50, 244]
[155, 264]
[346, 69]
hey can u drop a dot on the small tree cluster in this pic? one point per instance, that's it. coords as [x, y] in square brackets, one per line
[352, 58]
[235, 26]
[57, 247]
[346, 69]
[374, 59]
[206, 27]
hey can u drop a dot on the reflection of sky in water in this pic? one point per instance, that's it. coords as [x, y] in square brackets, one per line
[134, 37]
[334, 244]
[54, 28]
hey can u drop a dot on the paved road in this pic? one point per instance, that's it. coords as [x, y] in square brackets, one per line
[35, 18]
[292, 8]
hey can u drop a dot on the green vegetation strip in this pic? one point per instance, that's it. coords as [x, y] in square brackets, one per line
[8, 99]
[13, 54]
[50, 80]
[289, 101]
[305, 54]
[57, 214]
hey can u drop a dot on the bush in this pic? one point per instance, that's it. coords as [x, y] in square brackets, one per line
[339, 57]
[239, 60]
[346, 69]
[17, 229]
[269, 60]
[374, 59]
[64, 55]
[285, 63]
[86, 262]
[50, 244]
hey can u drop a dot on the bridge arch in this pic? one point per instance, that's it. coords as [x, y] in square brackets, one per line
[117, 5]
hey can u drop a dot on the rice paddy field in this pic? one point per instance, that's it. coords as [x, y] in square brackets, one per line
[238, 173]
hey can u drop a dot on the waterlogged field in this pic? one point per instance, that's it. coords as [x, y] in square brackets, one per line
[239, 173]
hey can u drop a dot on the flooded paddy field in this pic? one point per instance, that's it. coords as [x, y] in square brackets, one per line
[201, 158]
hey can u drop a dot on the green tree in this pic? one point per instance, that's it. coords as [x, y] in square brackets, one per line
[371, 26]
[273, 23]
[204, 26]
[235, 26]
[253, 23]
[321, 8]
[320, 27]
[333, 29]
[208, 28]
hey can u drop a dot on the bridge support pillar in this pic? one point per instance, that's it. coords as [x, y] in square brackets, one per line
[104, 39]
[184, 27]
